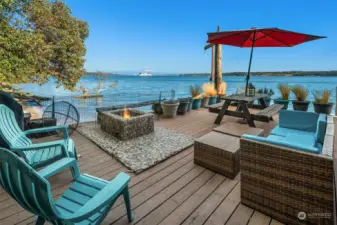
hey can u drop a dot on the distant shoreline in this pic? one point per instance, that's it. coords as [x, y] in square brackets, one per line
[329, 73]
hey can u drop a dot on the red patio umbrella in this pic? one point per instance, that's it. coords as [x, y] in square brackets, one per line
[256, 37]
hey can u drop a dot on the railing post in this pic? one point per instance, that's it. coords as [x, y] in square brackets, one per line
[336, 103]
[53, 108]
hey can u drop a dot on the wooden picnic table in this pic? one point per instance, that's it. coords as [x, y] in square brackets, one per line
[242, 110]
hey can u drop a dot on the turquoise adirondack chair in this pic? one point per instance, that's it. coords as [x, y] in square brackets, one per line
[87, 201]
[36, 155]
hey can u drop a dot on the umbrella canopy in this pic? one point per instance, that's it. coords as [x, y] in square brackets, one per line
[259, 37]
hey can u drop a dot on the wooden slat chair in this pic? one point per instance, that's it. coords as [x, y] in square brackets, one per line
[87, 201]
[36, 155]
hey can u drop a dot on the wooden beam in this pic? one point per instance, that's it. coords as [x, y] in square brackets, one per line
[218, 66]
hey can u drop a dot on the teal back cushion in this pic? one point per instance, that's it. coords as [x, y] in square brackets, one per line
[321, 128]
[298, 120]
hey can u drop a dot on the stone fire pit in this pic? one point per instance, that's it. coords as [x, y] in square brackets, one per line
[140, 123]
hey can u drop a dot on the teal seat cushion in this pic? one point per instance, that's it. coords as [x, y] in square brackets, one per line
[302, 139]
[321, 128]
[281, 131]
[276, 137]
[291, 145]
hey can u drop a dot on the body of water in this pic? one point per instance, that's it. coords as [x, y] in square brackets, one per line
[135, 88]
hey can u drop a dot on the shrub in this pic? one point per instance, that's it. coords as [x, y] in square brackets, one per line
[209, 89]
[223, 88]
[195, 91]
[300, 93]
[322, 97]
[284, 90]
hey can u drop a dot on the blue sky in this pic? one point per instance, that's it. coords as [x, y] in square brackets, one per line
[169, 35]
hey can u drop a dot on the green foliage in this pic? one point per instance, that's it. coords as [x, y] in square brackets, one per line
[38, 39]
[266, 90]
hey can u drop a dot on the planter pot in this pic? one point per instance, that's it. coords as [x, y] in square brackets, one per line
[204, 102]
[157, 109]
[170, 108]
[267, 101]
[196, 103]
[285, 103]
[189, 108]
[301, 105]
[182, 108]
[218, 99]
[189, 101]
[212, 100]
[323, 108]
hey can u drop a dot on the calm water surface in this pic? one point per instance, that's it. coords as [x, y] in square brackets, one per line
[145, 88]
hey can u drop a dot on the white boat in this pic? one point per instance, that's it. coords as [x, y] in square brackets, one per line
[145, 73]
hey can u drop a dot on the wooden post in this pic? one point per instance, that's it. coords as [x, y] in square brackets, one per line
[336, 104]
[218, 66]
[212, 64]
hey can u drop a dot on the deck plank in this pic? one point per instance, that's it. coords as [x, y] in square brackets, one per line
[177, 199]
[151, 204]
[186, 208]
[201, 214]
[226, 208]
[119, 211]
[240, 216]
[259, 219]
[174, 191]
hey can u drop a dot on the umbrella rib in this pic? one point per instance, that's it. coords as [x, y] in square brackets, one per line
[246, 41]
[256, 39]
[276, 39]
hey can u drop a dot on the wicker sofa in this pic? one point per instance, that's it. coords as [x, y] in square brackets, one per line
[290, 181]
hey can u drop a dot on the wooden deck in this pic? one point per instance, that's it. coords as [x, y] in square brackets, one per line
[175, 191]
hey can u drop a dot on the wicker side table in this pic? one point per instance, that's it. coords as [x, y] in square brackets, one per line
[219, 153]
[237, 130]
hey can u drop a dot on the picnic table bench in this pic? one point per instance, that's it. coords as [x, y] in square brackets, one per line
[242, 111]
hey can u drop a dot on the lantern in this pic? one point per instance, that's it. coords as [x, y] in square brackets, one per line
[251, 90]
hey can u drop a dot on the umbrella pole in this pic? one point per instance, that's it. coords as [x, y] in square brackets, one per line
[250, 63]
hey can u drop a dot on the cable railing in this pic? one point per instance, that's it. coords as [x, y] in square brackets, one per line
[87, 106]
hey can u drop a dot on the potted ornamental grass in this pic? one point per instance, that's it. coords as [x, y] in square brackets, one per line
[285, 90]
[267, 91]
[322, 104]
[170, 107]
[301, 94]
[195, 91]
[222, 92]
[210, 92]
[156, 106]
[204, 100]
[183, 106]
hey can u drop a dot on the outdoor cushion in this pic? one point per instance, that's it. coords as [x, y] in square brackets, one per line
[298, 120]
[301, 139]
[321, 128]
[286, 144]
[281, 131]
[276, 137]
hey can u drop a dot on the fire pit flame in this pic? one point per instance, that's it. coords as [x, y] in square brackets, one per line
[126, 113]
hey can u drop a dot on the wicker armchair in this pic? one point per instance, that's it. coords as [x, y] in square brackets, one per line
[282, 182]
